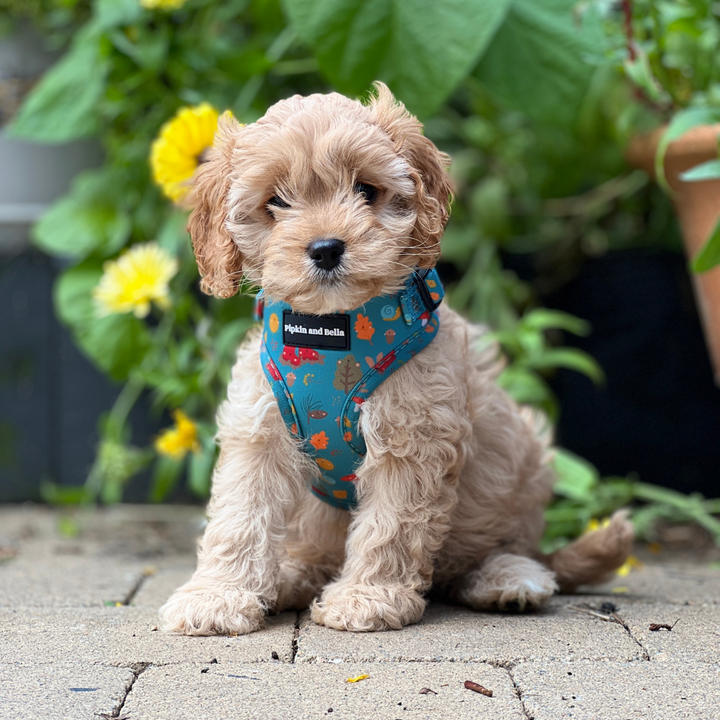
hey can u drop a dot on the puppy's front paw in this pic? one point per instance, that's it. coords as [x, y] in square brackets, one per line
[194, 610]
[363, 608]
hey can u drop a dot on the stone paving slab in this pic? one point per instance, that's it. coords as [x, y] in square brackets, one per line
[619, 691]
[456, 634]
[67, 581]
[295, 692]
[159, 586]
[670, 583]
[56, 634]
[123, 636]
[62, 692]
[695, 638]
[141, 531]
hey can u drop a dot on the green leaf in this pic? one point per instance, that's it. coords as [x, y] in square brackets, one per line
[422, 50]
[200, 469]
[490, 205]
[85, 221]
[114, 13]
[115, 343]
[570, 358]
[62, 106]
[709, 254]
[576, 477]
[709, 170]
[63, 494]
[524, 387]
[165, 477]
[542, 319]
[682, 122]
[538, 62]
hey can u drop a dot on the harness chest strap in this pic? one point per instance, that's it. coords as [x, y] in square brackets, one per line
[322, 368]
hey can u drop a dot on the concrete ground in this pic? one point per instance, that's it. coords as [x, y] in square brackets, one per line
[79, 640]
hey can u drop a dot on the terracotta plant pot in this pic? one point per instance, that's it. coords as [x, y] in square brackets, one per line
[697, 205]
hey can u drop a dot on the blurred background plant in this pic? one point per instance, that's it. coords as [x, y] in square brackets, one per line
[533, 99]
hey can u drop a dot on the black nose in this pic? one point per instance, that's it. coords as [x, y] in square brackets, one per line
[325, 253]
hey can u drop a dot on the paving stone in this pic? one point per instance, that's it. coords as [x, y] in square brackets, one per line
[161, 584]
[295, 692]
[61, 692]
[619, 690]
[42, 579]
[455, 634]
[21, 523]
[695, 638]
[674, 583]
[123, 636]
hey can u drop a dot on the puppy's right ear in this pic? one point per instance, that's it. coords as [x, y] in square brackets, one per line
[218, 259]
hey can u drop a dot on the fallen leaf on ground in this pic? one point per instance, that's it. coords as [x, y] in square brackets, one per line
[357, 679]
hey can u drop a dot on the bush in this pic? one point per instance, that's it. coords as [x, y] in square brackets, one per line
[526, 96]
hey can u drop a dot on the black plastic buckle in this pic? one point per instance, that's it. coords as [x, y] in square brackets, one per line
[419, 280]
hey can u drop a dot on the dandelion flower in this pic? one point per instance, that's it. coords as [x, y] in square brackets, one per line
[137, 278]
[175, 153]
[176, 441]
[162, 4]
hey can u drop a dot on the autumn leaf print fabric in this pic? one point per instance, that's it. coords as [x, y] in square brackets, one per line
[321, 391]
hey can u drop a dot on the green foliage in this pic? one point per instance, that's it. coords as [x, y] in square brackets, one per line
[669, 52]
[542, 59]
[530, 97]
[709, 254]
[531, 355]
[88, 220]
[117, 343]
[423, 50]
[62, 106]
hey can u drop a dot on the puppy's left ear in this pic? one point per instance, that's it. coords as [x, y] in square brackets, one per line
[428, 172]
[218, 258]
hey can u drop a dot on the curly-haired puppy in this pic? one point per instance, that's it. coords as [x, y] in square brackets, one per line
[329, 204]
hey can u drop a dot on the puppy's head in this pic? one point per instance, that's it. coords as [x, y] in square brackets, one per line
[324, 202]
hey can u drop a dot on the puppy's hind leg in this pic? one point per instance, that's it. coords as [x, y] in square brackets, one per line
[507, 582]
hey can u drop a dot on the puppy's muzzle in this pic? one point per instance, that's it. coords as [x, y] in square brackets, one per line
[326, 253]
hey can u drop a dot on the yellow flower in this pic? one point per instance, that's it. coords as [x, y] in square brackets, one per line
[175, 153]
[162, 4]
[631, 563]
[176, 441]
[140, 275]
[596, 524]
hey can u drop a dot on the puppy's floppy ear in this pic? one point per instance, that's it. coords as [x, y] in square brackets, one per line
[428, 172]
[218, 259]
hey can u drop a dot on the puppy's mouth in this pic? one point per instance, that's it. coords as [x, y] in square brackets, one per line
[328, 278]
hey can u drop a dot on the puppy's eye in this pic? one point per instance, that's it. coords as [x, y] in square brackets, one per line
[276, 202]
[368, 191]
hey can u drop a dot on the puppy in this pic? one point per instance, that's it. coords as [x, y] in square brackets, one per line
[451, 477]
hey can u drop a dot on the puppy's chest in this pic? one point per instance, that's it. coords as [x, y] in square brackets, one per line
[323, 369]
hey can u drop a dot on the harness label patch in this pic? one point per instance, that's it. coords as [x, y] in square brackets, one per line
[316, 331]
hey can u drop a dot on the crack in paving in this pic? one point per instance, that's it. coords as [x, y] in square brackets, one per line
[645, 653]
[296, 635]
[518, 693]
[137, 670]
[135, 589]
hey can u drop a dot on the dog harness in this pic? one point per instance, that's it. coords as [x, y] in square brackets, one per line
[322, 368]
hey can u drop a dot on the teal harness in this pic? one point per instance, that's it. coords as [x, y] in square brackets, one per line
[322, 368]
